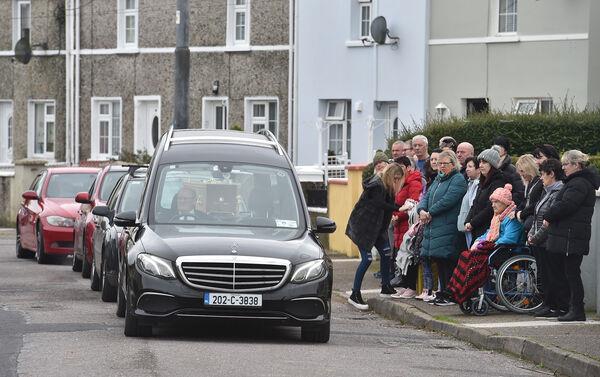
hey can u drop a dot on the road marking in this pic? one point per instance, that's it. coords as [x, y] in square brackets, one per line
[345, 260]
[364, 291]
[539, 323]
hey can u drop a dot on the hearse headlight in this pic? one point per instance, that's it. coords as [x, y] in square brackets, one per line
[309, 271]
[155, 266]
[60, 221]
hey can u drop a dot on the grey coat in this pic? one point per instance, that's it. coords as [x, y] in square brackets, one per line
[539, 233]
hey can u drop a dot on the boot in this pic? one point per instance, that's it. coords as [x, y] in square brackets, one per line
[574, 314]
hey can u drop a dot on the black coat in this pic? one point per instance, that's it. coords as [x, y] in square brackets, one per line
[371, 214]
[570, 216]
[533, 194]
[481, 212]
[513, 177]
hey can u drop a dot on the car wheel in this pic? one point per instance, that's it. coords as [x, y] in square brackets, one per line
[21, 253]
[132, 326]
[86, 269]
[120, 302]
[40, 254]
[94, 278]
[109, 292]
[76, 263]
[316, 334]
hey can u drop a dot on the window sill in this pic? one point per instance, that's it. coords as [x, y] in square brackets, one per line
[504, 38]
[359, 43]
[128, 50]
[238, 48]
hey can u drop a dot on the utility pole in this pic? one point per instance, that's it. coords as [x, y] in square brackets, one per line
[182, 67]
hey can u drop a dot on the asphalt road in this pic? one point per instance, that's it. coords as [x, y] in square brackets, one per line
[52, 324]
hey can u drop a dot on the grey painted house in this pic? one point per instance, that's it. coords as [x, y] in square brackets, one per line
[100, 81]
[513, 55]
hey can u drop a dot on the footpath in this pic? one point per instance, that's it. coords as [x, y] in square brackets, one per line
[571, 349]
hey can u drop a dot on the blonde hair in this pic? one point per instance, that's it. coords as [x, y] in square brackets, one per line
[575, 157]
[387, 177]
[452, 156]
[529, 166]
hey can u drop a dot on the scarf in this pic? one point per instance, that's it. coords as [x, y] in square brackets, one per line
[494, 231]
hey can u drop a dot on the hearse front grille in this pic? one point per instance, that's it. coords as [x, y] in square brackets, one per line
[233, 273]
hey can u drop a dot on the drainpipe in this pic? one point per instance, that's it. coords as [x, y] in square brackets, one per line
[296, 73]
[76, 99]
[291, 83]
[68, 127]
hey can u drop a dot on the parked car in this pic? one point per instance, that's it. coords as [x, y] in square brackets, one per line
[223, 232]
[107, 236]
[47, 214]
[84, 222]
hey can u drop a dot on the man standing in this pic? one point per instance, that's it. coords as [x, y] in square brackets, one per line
[420, 145]
[464, 151]
[397, 149]
[408, 149]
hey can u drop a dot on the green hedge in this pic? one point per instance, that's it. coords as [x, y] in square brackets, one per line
[565, 130]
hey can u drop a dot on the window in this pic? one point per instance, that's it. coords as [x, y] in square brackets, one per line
[337, 120]
[238, 24]
[106, 128]
[41, 129]
[507, 16]
[6, 131]
[533, 105]
[128, 23]
[22, 20]
[263, 114]
[477, 105]
[365, 20]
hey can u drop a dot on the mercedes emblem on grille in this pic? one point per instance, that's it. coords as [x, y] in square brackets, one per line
[234, 248]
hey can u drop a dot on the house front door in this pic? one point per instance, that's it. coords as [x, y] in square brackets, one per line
[147, 127]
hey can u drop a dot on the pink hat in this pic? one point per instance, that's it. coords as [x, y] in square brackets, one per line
[503, 194]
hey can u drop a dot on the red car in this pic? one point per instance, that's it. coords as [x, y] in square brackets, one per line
[84, 226]
[48, 211]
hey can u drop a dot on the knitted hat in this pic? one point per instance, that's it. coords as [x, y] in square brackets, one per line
[503, 194]
[379, 156]
[502, 141]
[491, 156]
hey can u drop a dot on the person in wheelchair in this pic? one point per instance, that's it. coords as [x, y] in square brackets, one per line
[504, 229]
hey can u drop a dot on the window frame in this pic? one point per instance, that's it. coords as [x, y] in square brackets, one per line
[95, 129]
[537, 101]
[251, 120]
[343, 121]
[507, 14]
[7, 133]
[123, 14]
[233, 10]
[364, 5]
[16, 14]
[31, 124]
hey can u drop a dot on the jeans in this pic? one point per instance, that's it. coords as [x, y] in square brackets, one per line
[385, 253]
[427, 275]
[445, 270]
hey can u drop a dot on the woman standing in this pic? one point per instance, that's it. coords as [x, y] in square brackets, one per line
[530, 175]
[569, 227]
[473, 175]
[481, 213]
[438, 211]
[554, 288]
[368, 224]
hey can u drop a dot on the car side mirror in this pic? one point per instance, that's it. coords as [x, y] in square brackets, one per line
[126, 219]
[83, 198]
[101, 211]
[325, 225]
[30, 195]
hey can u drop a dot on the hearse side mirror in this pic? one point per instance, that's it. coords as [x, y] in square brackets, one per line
[126, 219]
[30, 195]
[103, 211]
[325, 225]
[83, 198]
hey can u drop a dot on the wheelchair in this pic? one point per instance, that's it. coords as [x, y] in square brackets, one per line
[511, 286]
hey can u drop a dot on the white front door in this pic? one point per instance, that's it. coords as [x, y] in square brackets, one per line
[6, 132]
[214, 113]
[147, 127]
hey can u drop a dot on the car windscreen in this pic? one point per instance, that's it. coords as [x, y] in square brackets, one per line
[226, 194]
[132, 195]
[109, 182]
[67, 185]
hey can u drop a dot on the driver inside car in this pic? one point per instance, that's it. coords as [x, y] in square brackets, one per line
[185, 203]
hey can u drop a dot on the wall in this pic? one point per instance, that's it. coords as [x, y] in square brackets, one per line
[590, 267]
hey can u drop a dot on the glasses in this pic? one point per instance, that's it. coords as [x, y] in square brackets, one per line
[444, 163]
[565, 164]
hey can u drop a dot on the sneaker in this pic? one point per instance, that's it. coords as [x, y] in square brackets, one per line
[356, 300]
[442, 302]
[409, 293]
[399, 293]
[387, 290]
[422, 295]
[429, 298]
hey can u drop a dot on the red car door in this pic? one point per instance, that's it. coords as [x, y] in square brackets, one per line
[29, 212]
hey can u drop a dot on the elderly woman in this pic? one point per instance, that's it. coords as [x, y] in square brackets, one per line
[527, 168]
[554, 287]
[438, 211]
[368, 225]
[504, 228]
[569, 226]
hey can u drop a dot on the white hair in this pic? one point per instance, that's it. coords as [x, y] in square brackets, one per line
[423, 138]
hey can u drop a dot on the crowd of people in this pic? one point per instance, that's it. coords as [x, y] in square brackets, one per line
[422, 209]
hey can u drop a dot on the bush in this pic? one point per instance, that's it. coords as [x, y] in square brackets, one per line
[140, 158]
[565, 129]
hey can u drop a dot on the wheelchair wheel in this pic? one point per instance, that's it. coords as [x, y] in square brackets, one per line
[516, 284]
[479, 309]
[491, 296]
[465, 307]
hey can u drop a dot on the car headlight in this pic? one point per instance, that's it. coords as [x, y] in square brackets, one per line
[155, 266]
[60, 221]
[309, 271]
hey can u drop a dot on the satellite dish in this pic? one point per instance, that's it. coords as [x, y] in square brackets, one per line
[154, 131]
[23, 50]
[380, 31]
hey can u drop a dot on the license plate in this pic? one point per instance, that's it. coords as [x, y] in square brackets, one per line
[232, 299]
